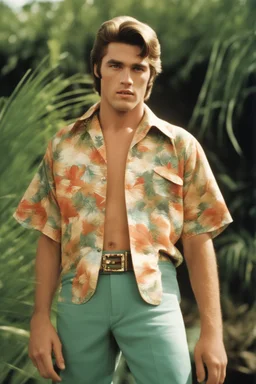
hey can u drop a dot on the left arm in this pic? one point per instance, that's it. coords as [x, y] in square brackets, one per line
[201, 262]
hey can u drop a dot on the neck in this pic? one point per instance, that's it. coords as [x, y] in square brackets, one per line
[113, 120]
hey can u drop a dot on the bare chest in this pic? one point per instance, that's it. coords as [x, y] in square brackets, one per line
[116, 234]
[117, 148]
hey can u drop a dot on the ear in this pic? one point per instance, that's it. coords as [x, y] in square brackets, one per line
[95, 71]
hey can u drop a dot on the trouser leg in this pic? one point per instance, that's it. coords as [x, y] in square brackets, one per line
[89, 348]
[153, 338]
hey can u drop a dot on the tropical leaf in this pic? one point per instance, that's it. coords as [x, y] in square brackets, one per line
[237, 262]
[235, 57]
[42, 102]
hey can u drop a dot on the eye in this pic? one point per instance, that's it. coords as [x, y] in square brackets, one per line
[115, 66]
[139, 69]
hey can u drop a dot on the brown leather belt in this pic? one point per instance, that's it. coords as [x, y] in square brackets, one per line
[113, 262]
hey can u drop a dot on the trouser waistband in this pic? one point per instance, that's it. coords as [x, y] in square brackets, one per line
[121, 261]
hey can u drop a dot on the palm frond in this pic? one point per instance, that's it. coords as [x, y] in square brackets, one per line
[237, 262]
[42, 102]
[235, 57]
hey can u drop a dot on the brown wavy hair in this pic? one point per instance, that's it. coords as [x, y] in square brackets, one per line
[126, 29]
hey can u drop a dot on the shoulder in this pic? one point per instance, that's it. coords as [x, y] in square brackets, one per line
[60, 136]
[68, 132]
[183, 143]
[174, 132]
[179, 136]
[64, 132]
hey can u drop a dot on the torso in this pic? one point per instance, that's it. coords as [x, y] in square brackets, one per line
[116, 232]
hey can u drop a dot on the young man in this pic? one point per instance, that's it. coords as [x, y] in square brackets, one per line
[113, 194]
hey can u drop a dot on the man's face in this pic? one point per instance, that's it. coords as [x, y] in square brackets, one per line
[124, 77]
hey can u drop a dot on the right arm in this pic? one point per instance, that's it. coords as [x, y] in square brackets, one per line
[43, 336]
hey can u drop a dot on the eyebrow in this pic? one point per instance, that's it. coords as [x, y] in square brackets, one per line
[112, 61]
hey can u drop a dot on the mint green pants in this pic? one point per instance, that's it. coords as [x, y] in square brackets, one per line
[151, 338]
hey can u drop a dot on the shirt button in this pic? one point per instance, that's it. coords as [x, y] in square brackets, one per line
[99, 250]
[103, 178]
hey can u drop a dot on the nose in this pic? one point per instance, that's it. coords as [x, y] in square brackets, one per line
[126, 78]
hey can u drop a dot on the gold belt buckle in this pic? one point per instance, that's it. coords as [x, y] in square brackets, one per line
[107, 262]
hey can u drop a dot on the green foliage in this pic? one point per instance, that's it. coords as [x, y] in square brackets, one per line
[237, 260]
[38, 107]
[223, 101]
[187, 30]
[215, 121]
[240, 336]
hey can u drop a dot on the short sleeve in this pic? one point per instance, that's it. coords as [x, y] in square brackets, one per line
[205, 210]
[38, 209]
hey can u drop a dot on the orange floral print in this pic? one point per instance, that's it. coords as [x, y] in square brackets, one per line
[170, 193]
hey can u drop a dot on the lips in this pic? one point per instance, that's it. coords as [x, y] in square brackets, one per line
[125, 92]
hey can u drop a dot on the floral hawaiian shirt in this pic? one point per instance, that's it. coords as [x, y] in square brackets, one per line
[170, 193]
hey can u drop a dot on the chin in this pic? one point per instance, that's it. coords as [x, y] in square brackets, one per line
[124, 107]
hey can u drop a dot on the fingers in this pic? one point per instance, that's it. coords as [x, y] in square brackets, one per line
[216, 373]
[211, 352]
[223, 373]
[57, 350]
[43, 341]
[47, 368]
[213, 375]
[200, 371]
[43, 362]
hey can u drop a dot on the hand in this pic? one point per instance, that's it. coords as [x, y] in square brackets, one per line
[211, 352]
[44, 340]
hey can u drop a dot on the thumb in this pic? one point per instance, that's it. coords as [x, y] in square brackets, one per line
[58, 354]
[200, 371]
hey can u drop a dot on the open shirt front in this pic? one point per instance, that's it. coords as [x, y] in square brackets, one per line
[170, 193]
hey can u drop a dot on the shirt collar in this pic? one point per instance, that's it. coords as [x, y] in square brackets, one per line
[153, 121]
[149, 120]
